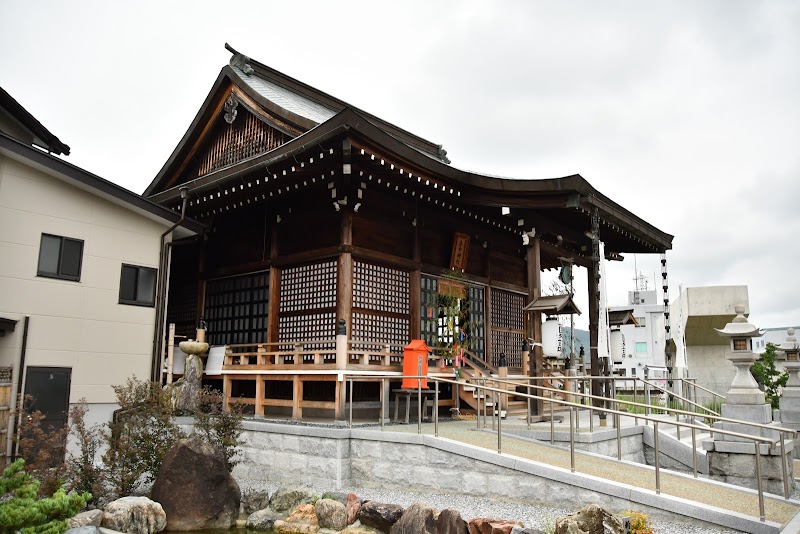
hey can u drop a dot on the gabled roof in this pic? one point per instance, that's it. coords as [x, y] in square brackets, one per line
[301, 106]
[92, 183]
[41, 135]
[553, 305]
[621, 317]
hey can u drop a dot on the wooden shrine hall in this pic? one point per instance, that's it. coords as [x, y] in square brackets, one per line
[317, 212]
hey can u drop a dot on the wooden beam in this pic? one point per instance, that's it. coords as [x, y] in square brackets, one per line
[297, 397]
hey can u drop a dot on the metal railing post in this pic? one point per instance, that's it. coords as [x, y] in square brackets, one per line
[478, 402]
[619, 436]
[436, 411]
[499, 418]
[761, 514]
[572, 410]
[552, 421]
[657, 466]
[351, 403]
[694, 452]
[419, 405]
[634, 408]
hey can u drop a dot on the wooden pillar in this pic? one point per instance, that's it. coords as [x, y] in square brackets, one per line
[344, 294]
[414, 288]
[273, 314]
[594, 309]
[259, 406]
[297, 397]
[536, 367]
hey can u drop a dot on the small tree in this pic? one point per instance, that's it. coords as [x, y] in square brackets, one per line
[768, 376]
[21, 511]
[82, 473]
[42, 447]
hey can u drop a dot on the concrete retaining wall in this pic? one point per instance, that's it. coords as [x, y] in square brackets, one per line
[334, 458]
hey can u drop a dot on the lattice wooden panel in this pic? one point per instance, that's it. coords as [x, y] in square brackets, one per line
[246, 137]
[380, 288]
[429, 314]
[509, 343]
[477, 321]
[237, 308]
[182, 309]
[308, 287]
[371, 327]
[507, 309]
[308, 327]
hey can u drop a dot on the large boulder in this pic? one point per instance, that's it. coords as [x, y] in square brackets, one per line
[134, 515]
[331, 514]
[483, 525]
[336, 496]
[379, 515]
[417, 519]
[261, 520]
[90, 518]
[86, 529]
[285, 500]
[195, 487]
[450, 522]
[590, 519]
[358, 528]
[302, 521]
[522, 530]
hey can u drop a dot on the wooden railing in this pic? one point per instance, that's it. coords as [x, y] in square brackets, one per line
[312, 352]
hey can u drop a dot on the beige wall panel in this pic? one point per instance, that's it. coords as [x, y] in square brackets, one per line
[38, 192]
[18, 261]
[102, 305]
[42, 296]
[114, 369]
[92, 393]
[27, 227]
[50, 358]
[106, 337]
[128, 247]
[46, 332]
[114, 216]
[101, 273]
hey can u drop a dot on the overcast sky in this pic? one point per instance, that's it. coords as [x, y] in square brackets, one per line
[685, 113]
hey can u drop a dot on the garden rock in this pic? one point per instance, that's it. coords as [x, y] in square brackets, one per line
[86, 529]
[134, 515]
[380, 515]
[450, 522]
[590, 519]
[302, 521]
[253, 501]
[520, 530]
[483, 525]
[358, 528]
[284, 500]
[195, 487]
[336, 496]
[353, 505]
[261, 520]
[417, 519]
[331, 514]
[90, 518]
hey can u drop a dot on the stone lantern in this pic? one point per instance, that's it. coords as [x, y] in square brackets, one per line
[790, 399]
[744, 388]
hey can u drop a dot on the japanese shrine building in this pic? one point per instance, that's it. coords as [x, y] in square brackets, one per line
[317, 211]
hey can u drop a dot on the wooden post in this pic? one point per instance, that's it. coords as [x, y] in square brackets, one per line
[297, 397]
[414, 288]
[170, 352]
[534, 291]
[273, 314]
[259, 406]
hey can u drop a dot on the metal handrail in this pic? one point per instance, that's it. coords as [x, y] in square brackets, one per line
[573, 408]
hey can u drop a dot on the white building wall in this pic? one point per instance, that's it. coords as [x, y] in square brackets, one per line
[651, 333]
[81, 324]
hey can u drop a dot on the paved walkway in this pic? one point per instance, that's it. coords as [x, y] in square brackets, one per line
[699, 490]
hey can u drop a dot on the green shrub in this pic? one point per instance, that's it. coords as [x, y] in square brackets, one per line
[42, 446]
[768, 376]
[139, 436]
[21, 510]
[639, 523]
[218, 426]
[82, 473]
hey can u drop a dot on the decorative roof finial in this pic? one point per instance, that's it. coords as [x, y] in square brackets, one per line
[241, 62]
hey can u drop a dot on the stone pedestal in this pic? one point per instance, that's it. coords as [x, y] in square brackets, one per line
[790, 398]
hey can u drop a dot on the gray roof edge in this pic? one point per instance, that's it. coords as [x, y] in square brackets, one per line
[63, 170]
[32, 124]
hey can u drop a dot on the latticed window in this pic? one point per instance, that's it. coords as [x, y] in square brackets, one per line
[380, 304]
[308, 303]
[236, 309]
[507, 326]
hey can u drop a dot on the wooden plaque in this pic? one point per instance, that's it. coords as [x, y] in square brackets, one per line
[458, 257]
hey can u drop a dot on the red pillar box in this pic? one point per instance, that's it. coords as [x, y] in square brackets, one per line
[415, 363]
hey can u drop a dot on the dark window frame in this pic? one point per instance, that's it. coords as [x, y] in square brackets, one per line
[59, 275]
[138, 301]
